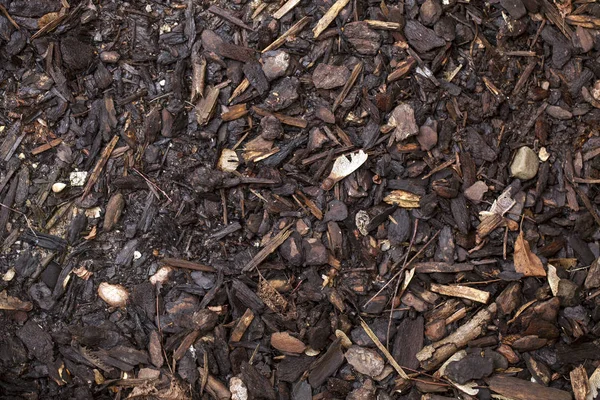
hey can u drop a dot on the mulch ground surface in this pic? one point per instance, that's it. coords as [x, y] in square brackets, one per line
[301, 199]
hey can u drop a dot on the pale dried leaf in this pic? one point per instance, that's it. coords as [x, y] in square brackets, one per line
[579, 383]
[228, 161]
[526, 262]
[12, 303]
[344, 166]
[593, 384]
[285, 342]
[553, 279]
[403, 199]
[47, 18]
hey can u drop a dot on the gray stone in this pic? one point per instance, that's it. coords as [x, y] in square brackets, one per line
[275, 63]
[525, 164]
[365, 361]
[559, 112]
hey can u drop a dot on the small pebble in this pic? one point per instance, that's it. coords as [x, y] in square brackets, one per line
[110, 57]
[525, 164]
[365, 361]
[58, 187]
[559, 112]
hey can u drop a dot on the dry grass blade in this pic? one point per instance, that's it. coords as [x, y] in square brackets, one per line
[382, 348]
[346, 89]
[294, 30]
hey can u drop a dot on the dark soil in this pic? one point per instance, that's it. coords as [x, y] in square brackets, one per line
[299, 200]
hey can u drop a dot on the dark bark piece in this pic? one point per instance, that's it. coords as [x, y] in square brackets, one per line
[460, 213]
[509, 299]
[290, 369]
[473, 366]
[255, 75]
[578, 353]
[421, 38]
[213, 42]
[315, 253]
[326, 365]
[271, 128]
[515, 8]
[478, 146]
[283, 94]
[247, 297]
[76, 54]
[408, 342]
[38, 342]
[129, 355]
[400, 230]
[520, 389]
[581, 249]
[257, 384]
[336, 211]
[326, 76]
[291, 250]
[28, 8]
[365, 40]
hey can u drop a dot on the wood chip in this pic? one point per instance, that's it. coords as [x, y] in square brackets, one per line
[519, 389]
[242, 325]
[269, 247]
[329, 16]
[464, 292]
[286, 8]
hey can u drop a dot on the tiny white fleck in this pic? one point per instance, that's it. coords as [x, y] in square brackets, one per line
[137, 255]
[149, 8]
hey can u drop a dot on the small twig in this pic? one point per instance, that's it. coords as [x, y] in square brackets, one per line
[385, 351]
[154, 185]
[24, 216]
[8, 17]
[407, 265]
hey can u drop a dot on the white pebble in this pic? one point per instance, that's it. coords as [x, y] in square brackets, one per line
[78, 178]
[58, 187]
[113, 295]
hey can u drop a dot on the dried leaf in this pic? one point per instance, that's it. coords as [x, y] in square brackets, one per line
[553, 279]
[526, 262]
[564, 7]
[579, 382]
[47, 18]
[287, 343]
[228, 161]
[12, 303]
[344, 166]
[593, 385]
[403, 199]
